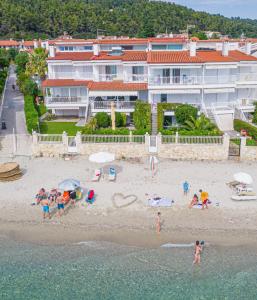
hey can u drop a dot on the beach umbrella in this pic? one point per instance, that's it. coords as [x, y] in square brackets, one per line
[102, 157]
[243, 178]
[69, 185]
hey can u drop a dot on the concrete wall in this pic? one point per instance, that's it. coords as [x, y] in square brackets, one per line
[195, 151]
[173, 151]
[247, 152]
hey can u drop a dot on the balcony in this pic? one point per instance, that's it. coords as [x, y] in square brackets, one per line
[136, 78]
[175, 80]
[108, 77]
[121, 106]
[247, 77]
[63, 100]
[71, 75]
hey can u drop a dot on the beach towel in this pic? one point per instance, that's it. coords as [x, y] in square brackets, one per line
[160, 202]
[199, 205]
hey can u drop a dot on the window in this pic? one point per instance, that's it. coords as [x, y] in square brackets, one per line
[137, 70]
[127, 47]
[88, 48]
[174, 47]
[159, 47]
[163, 98]
[111, 70]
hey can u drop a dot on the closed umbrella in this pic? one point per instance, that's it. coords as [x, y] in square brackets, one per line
[102, 157]
[69, 185]
[243, 178]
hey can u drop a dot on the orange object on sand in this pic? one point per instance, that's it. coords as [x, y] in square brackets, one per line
[66, 197]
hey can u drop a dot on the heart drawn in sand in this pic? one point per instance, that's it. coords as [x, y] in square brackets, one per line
[119, 200]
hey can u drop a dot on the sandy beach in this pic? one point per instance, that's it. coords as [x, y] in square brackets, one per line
[229, 223]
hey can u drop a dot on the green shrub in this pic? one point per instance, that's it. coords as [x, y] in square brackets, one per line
[21, 61]
[31, 113]
[142, 116]
[250, 129]
[120, 120]
[184, 112]
[161, 108]
[103, 120]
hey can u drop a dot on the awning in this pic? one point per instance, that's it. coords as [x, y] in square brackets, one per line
[218, 91]
[184, 91]
[112, 93]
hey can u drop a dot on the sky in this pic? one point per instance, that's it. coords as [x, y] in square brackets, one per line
[228, 8]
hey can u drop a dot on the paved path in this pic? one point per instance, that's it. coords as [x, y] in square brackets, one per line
[13, 109]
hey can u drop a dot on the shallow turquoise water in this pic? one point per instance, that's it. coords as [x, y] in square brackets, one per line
[99, 270]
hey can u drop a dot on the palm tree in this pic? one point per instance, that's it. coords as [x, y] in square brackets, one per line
[201, 123]
[37, 63]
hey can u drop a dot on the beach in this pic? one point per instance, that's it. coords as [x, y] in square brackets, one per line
[104, 251]
[226, 222]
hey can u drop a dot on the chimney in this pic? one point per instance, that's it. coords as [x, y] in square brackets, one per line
[225, 48]
[51, 51]
[192, 48]
[35, 42]
[248, 47]
[149, 48]
[96, 49]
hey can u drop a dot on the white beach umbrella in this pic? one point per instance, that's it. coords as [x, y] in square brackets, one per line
[102, 157]
[243, 178]
[69, 184]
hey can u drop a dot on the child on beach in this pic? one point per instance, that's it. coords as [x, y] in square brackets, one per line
[45, 207]
[186, 188]
[198, 250]
[194, 201]
[158, 223]
[60, 204]
[204, 198]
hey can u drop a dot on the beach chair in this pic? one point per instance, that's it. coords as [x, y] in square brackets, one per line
[90, 197]
[97, 175]
[112, 174]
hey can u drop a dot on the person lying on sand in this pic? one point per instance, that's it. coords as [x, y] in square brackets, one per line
[198, 250]
[194, 201]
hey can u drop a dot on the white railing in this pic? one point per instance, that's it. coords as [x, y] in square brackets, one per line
[95, 139]
[49, 138]
[180, 139]
[220, 79]
[65, 100]
[245, 102]
[136, 78]
[117, 104]
[71, 75]
[247, 77]
[108, 77]
[175, 80]
[215, 116]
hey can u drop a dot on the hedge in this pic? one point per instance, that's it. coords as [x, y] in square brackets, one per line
[31, 114]
[142, 116]
[250, 129]
[106, 131]
[255, 113]
[161, 108]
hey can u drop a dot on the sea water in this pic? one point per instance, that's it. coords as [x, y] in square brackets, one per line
[102, 270]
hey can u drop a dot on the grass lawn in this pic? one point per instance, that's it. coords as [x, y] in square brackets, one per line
[59, 128]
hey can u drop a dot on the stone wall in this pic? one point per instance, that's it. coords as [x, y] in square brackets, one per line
[247, 152]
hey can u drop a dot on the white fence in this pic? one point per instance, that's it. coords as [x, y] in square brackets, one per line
[180, 139]
[140, 139]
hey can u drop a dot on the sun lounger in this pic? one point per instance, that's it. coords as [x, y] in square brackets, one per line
[97, 175]
[112, 174]
[160, 202]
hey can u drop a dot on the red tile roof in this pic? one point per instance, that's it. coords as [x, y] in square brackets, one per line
[64, 82]
[28, 43]
[126, 56]
[79, 56]
[159, 57]
[117, 86]
[8, 43]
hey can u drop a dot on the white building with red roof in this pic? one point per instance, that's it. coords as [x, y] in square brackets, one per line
[84, 76]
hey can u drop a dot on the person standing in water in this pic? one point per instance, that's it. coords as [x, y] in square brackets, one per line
[198, 250]
[185, 187]
[158, 223]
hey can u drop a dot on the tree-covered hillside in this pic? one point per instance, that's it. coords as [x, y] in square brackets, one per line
[50, 18]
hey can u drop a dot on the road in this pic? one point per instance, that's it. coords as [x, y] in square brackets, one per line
[13, 107]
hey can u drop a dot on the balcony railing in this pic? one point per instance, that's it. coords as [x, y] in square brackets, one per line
[65, 100]
[175, 80]
[247, 77]
[108, 77]
[106, 105]
[72, 75]
[136, 78]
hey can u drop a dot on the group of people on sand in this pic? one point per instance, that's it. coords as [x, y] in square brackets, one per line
[47, 200]
[204, 197]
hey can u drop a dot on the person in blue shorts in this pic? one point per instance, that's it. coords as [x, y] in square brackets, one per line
[45, 203]
[60, 204]
[185, 187]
